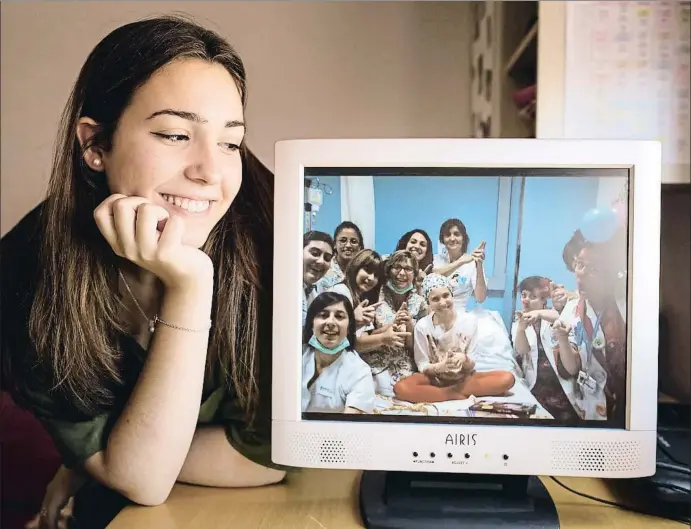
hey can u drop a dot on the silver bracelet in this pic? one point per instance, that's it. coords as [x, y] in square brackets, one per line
[179, 328]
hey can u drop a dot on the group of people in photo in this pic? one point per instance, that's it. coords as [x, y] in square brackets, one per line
[398, 325]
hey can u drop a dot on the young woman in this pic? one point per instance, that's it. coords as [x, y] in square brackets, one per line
[361, 285]
[590, 334]
[140, 288]
[466, 275]
[401, 307]
[532, 338]
[349, 242]
[334, 377]
[451, 365]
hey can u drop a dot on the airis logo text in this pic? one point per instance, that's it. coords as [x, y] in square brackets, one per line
[461, 439]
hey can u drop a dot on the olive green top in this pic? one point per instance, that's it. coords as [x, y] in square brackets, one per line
[78, 434]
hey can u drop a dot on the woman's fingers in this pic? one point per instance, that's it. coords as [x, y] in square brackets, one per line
[146, 234]
[103, 215]
[172, 233]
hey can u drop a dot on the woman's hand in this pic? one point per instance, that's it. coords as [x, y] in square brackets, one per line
[364, 313]
[402, 317]
[558, 295]
[478, 255]
[421, 275]
[394, 338]
[149, 237]
[521, 324]
[56, 508]
[561, 329]
[531, 318]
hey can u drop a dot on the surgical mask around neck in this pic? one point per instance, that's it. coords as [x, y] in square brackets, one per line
[326, 350]
[397, 290]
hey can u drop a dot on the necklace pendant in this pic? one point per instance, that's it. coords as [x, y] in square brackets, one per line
[152, 326]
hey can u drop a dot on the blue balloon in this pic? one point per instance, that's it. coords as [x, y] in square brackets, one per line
[599, 224]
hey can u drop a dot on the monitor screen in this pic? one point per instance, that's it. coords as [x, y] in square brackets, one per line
[469, 296]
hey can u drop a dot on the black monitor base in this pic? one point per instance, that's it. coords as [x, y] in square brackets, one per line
[416, 500]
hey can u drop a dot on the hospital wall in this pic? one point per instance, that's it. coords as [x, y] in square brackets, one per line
[551, 210]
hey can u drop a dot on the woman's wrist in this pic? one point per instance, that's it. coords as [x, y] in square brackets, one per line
[188, 305]
[201, 277]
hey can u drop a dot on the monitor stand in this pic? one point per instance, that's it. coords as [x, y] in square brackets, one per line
[415, 500]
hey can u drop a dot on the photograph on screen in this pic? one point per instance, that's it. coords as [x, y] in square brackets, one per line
[459, 295]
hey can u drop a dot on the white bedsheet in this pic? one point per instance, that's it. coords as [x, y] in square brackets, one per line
[519, 393]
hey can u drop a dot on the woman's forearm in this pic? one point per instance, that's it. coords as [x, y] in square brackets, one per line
[366, 343]
[149, 442]
[449, 268]
[549, 315]
[480, 292]
[522, 345]
[569, 357]
[213, 462]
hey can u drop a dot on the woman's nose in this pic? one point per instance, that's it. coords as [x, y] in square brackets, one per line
[205, 166]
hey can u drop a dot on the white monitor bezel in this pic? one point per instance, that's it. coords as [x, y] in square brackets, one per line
[292, 156]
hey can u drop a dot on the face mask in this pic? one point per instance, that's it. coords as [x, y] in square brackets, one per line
[319, 347]
[399, 290]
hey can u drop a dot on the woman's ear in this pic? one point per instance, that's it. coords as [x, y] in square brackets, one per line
[93, 157]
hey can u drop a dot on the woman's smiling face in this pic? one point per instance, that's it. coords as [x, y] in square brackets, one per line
[177, 144]
[453, 239]
[440, 299]
[417, 245]
[330, 325]
[347, 244]
[402, 273]
[365, 280]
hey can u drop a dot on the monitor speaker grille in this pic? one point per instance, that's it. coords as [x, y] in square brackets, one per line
[607, 456]
[313, 449]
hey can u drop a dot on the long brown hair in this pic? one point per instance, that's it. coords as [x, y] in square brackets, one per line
[74, 322]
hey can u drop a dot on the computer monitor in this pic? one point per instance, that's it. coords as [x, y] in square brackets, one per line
[512, 287]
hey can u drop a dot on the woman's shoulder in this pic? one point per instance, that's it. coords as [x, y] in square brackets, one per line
[425, 324]
[342, 288]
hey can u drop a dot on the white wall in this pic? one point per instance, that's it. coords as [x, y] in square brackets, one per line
[331, 69]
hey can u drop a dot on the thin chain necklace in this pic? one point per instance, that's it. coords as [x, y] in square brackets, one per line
[151, 322]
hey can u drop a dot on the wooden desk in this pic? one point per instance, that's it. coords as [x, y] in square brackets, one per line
[328, 499]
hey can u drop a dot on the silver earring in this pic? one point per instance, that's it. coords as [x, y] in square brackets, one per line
[97, 162]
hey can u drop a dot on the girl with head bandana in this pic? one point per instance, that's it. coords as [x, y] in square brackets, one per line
[451, 365]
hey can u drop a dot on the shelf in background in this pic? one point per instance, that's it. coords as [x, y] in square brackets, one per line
[523, 59]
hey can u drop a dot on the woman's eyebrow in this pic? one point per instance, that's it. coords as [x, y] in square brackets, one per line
[192, 116]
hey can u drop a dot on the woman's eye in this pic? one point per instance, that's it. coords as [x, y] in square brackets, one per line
[173, 138]
[229, 147]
